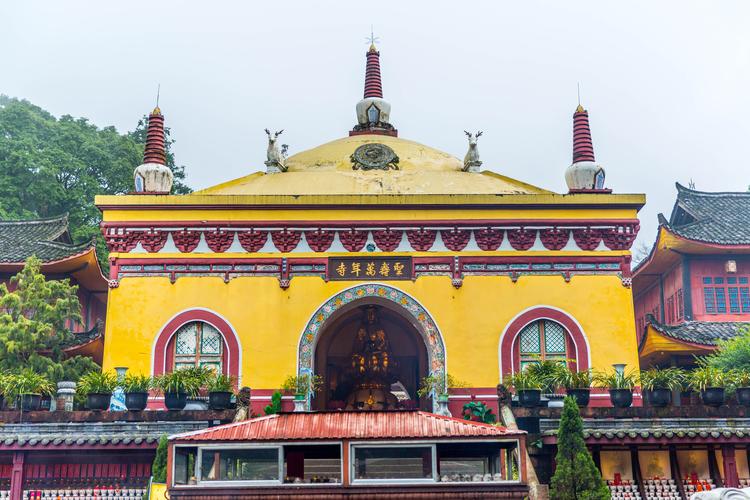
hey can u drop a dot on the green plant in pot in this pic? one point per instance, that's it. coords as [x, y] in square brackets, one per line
[740, 381]
[577, 384]
[432, 385]
[660, 383]
[528, 388]
[136, 387]
[26, 388]
[97, 387]
[179, 384]
[620, 385]
[302, 386]
[220, 391]
[711, 383]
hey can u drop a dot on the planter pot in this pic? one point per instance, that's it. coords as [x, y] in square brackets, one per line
[299, 403]
[529, 397]
[581, 396]
[31, 402]
[713, 396]
[621, 398]
[219, 400]
[175, 401]
[443, 405]
[98, 401]
[743, 396]
[136, 401]
[659, 397]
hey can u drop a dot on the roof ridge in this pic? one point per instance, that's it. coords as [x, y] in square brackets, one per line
[38, 220]
[684, 190]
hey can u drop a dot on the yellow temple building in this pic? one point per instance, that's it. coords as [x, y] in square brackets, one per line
[372, 261]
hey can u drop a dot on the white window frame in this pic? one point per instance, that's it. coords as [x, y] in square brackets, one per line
[199, 483]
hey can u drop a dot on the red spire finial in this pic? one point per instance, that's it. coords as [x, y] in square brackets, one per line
[583, 148]
[373, 85]
[155, 151]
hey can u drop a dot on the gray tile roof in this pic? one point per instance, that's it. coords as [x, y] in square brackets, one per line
[81, 338]
[91, 434]
[658, 428]
[721, 218]
[48, 239]
[699, 332]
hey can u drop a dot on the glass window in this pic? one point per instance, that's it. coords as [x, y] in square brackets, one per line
[261, 464]
[706, 281]
[734, 300]
[721, 300]
[542, 339]
[198, 344]
[318, 463]
[680, 304]
[709, 300]
[718, 281]
[745, 299]
[184, 464]
[397, 462]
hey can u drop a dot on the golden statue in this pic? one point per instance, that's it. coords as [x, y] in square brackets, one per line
[372, 367]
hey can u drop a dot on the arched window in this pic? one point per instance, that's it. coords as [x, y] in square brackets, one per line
[543, 340]
[198, 344]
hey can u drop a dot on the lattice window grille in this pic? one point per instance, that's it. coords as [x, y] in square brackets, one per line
[198, 344]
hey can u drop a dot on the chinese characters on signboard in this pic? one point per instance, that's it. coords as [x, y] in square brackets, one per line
[372, 268]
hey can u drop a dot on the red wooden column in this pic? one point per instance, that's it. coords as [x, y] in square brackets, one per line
[16, 476]
[731, 478]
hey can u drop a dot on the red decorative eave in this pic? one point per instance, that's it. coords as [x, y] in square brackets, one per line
[155, 151]
[348, 425]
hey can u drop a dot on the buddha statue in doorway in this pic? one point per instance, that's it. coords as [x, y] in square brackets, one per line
[372, 366]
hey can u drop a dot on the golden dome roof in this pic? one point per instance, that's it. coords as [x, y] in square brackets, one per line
[327, 170]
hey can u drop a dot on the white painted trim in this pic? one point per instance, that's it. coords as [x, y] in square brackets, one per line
[531, 308]
[226, 346]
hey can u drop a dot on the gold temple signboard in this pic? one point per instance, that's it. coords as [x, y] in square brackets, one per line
[369, 268]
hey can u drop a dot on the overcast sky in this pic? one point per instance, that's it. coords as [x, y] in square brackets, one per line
[667, 83]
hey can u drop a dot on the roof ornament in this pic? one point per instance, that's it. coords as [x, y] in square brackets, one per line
[275, 157]
[373, 112]
[154, 176]
[471, 160]
[374, 156]
[584, 175]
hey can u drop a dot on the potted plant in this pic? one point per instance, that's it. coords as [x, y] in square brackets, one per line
[741, 382]
[97, 386]
[660, 382]
[136, 387]
[433, 385]
[528, 388]
[577, 384]
[27, 389]
[620, 385]
[178, 385]
[547, 372]
[710, 382]
[220, 391]
[302, 386]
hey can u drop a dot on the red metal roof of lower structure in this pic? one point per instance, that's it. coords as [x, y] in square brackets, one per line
[348, 425]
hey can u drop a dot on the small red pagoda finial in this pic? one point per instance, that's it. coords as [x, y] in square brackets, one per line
[155, 151]
[373, 83]
[583, 148]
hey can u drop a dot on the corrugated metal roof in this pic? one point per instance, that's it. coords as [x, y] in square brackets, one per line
[347, 425]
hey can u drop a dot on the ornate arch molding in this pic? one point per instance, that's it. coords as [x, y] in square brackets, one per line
[509, 336]
[228, 334]
[418, 315]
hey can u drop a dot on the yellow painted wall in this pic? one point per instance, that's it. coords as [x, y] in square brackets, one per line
[269, 320]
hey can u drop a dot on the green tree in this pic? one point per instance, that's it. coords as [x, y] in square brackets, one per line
[159, 467]
[32, 325]
[576, 476]
[50, 166]
[732, 354]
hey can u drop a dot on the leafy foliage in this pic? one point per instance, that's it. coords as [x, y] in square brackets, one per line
[576, 476]
[137, 383]
[548, 373]
[275, 406]
[431, 385]
[221, 383]
[97, 382]
[50, 166]
[32, 325]
[616, 380]
[159, 466]
[303, 384]
[524, 380]
[571, 379]
[663, 378]
[186, 380]
[476, 410]
[733, 354]
[26, 382]
[707, 376]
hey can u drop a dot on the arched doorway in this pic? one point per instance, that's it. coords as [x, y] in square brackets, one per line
[329, 336]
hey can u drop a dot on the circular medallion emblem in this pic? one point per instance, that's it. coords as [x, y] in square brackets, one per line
[374, 157]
